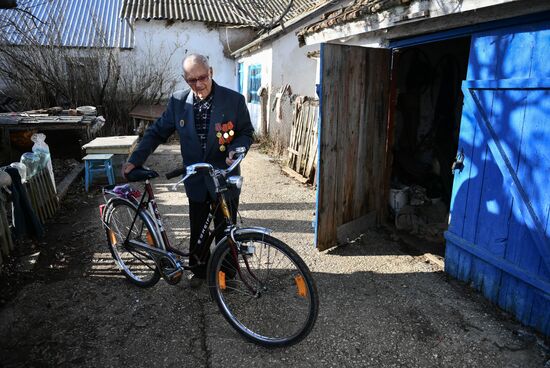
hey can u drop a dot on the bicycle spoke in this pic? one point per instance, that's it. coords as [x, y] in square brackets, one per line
[136, 264]
[283, 308]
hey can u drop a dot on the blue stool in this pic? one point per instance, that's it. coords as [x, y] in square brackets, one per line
[97, 163]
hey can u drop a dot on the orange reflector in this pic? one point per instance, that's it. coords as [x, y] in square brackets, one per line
[149, 238]
[221, 279]
[112, 237]
[301, 285]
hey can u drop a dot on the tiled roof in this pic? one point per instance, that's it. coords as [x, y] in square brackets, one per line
[354, 11]
[210, 11]
[72, 23]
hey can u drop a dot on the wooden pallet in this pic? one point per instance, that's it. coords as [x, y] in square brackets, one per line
[302, 150]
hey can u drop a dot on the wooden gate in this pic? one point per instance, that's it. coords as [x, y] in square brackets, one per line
[353, 141]
[499, 234]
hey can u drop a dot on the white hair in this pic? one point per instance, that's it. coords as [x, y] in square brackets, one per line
[197, 59]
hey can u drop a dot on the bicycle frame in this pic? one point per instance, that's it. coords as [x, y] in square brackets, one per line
[148, 203]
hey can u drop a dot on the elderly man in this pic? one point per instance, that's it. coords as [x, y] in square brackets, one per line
[198, 114]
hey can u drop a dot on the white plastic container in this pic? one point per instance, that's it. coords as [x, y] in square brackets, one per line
[398, 198]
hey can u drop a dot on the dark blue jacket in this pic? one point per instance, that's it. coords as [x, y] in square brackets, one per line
[227, 105]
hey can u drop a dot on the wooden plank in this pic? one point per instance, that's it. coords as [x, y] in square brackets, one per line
[294, 175]
[512, 83]
[292, 151]
[63, 187]
[291, 147]
[501, 263]
[309, 140]
[312, 159]
[114, 145]
[353, 229]
[305, 138]
[298, 147]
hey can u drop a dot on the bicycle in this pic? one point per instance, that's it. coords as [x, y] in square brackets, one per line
[261, 286]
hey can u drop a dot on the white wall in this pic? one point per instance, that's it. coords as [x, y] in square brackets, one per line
[170, 44]
[291, 65]
[283, 62]
[263, 57]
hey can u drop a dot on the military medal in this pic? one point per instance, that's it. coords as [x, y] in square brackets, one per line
[225, 134]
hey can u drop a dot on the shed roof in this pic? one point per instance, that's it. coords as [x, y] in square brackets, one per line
[209, 11]
[72, 23]
[288, 27]
[357, 9]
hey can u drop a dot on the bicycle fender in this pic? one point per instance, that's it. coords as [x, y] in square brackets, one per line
[252, 230]
[248, 230]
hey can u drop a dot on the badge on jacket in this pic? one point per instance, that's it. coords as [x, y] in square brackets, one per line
[182, 123]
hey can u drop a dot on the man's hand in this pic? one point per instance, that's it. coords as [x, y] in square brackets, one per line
[229, 160]
[127, 167]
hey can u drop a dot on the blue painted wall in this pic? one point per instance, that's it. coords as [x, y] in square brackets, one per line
[499, 233]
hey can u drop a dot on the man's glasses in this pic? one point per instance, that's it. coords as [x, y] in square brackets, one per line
[202, 79]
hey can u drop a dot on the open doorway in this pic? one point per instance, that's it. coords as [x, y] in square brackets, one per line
[426, 118]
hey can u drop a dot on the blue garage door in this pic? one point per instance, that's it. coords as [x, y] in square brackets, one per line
[499, 233]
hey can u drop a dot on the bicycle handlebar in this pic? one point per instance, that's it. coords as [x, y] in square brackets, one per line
[172, 174]
[190, 170]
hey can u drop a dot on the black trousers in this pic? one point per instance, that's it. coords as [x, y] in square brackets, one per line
[198, 213]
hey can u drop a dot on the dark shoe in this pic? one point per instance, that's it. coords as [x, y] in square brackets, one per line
[195, 281]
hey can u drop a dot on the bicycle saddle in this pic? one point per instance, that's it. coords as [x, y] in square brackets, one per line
[141, 174]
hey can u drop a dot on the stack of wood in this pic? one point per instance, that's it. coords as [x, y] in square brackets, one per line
[302, 150]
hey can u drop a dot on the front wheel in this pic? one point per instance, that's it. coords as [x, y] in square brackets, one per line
[270, 297]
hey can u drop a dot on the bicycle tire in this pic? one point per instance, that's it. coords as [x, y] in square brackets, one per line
[282, 307]
[138, 267]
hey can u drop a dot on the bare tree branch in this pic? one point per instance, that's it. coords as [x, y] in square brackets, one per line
[38, 71]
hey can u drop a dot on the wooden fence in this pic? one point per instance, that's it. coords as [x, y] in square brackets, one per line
[43, 197]
[6, 243]
[302, 150]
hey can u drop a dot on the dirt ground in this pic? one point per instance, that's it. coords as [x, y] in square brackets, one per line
[63, 302]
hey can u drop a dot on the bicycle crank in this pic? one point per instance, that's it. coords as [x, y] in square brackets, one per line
[169, 266]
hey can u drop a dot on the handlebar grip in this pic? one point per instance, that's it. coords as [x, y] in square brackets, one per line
[172, 174]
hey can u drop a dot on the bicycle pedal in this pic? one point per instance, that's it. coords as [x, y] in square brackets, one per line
[174, 276]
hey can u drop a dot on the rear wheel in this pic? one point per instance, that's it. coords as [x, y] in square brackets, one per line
[136, 265]
[271, 298]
